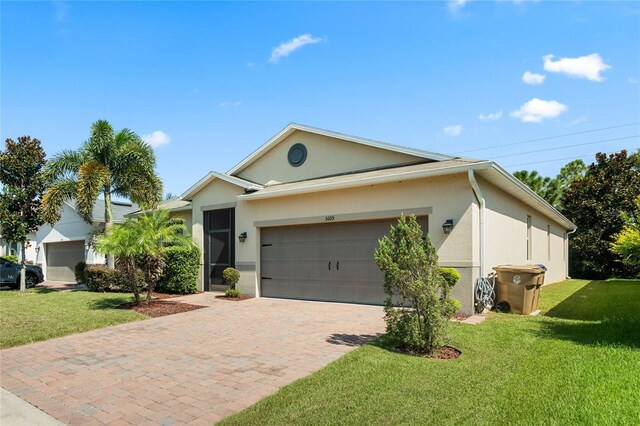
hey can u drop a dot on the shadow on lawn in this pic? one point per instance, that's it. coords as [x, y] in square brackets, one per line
[352, 339]
[600, 313]
[109, 302]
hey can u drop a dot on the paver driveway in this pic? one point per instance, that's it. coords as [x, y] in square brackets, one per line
[194, 367]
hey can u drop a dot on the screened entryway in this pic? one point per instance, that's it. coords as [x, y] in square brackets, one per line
[329, 262]
[219, 245]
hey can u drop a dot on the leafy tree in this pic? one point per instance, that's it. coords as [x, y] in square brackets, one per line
[418, 307]
[545, 187]
[627, 242]
[23, 179]
[597, 204]
[141, 243]
[551, 189]
[107, 164]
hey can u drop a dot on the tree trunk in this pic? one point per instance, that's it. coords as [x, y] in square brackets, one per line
[108, 222]
[23, 274]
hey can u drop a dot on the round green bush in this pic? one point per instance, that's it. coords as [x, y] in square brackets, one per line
[450, 275]
[232, 292]
[180, 272]
[231, 276]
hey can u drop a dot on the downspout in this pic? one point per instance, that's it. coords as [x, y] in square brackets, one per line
[480, 198]
[567, 249]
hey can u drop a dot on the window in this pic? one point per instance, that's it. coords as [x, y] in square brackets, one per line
[528, 237]
[548, 242]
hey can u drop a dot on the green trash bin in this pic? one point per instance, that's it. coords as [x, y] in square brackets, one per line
[519, 286]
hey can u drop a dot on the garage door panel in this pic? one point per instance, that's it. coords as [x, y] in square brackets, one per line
[296, 259]
[62, 258]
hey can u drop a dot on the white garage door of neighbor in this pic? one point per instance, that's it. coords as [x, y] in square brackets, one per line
[329, 262]
[62, 259]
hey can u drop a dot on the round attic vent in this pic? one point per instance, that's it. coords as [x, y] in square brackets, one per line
[297, 154]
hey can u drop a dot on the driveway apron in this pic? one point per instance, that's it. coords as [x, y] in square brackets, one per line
[191, 368]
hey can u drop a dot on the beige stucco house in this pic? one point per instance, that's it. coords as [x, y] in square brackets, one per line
[301, 216]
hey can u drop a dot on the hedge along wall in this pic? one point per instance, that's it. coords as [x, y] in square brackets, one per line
[180, 271]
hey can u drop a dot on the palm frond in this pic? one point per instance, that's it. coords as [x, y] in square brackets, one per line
[92, 178]
[99, 146]
[64, 163]
[134, 174]
[55, 195]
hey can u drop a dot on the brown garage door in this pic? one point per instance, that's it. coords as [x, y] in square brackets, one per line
[62, 259]
[329, 262]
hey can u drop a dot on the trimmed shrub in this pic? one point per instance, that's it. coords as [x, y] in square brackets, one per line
[232, 292]
[79, 271]
[450, 275]
[11, 258]
[231, 276]
[99, 278]
[417, 309]
[180, 271]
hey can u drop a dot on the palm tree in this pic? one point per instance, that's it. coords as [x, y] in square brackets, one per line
[141, 243]
[108, 163]
[122, 241]
[157, 231]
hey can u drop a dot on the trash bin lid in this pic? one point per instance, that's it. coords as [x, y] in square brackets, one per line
[531, 269]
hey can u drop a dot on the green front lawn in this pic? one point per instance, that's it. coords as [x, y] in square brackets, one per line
[42, 314]
[577, 364]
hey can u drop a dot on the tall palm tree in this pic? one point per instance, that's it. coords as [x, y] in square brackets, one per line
[140, 243]
[107, 164]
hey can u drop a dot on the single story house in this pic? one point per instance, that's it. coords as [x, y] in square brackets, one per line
[60, 247]
[301, 216]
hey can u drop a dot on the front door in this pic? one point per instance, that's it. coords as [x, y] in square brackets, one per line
[219, 245]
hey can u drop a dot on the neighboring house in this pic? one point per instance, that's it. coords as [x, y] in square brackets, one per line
[12, 248]
[61, 247]
[301, 217]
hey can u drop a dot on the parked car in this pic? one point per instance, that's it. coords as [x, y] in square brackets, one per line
[10, 274]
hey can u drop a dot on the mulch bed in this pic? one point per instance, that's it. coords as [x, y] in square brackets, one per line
[235, 299]
[445, 352]
[160, 308]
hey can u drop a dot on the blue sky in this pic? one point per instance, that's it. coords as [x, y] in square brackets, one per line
[209, 82]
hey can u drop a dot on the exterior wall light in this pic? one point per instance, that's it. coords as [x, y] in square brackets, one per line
[242, 237]
[447, 226]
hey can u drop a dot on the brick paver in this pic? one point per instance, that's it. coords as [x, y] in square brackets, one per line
[191, 368]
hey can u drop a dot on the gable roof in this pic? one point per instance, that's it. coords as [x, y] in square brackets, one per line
[209, 177]
[174, 205]
[292, 127]
[119, 209]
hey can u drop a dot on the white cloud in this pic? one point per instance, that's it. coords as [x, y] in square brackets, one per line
[251, 64]
[456, 5]
[286, 48]
[156, 138]
[589, 66]
[632, 80]
[454, 130]
[537, 110]
[230, 104]
[492, 116]
[533, 78]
